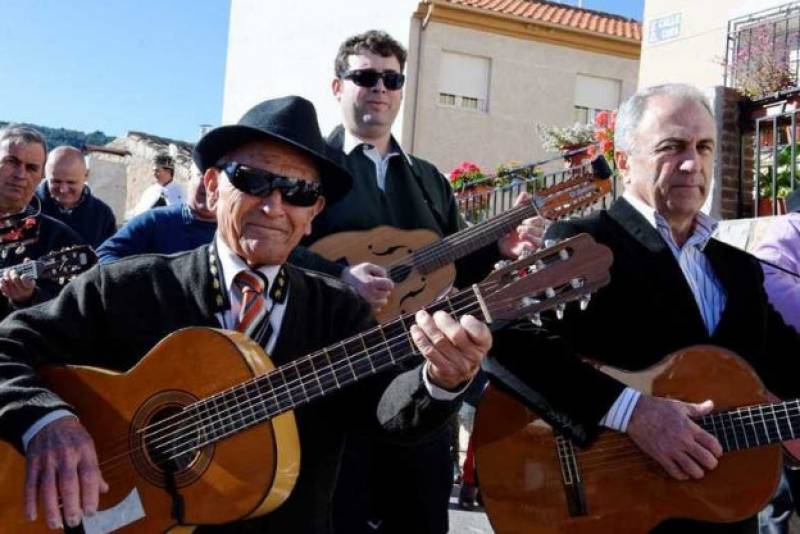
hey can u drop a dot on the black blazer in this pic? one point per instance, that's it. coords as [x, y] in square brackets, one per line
[645, 313]
[112, 315]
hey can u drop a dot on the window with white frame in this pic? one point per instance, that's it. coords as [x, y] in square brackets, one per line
[464, 81]
[593, 95]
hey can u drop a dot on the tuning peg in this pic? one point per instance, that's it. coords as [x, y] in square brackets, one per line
[535, 319]
[576, 283]
[563, 254]
[550, 243]
[539, 265]
[584, 302]
[500, 264]
[560, 311]
[550, 292]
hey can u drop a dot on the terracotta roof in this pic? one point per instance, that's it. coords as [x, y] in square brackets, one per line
[560, 15]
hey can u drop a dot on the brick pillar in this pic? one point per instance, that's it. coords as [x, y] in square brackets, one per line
[733, 150]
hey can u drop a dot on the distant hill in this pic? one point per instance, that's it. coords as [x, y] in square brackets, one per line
[61, 136]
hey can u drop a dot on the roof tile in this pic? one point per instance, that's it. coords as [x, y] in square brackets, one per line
[563, 15]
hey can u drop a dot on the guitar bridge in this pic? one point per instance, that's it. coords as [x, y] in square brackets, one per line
[571, 477]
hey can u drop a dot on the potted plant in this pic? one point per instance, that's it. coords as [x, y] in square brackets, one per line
[471, 188]
[604, 124]
[567, 140]
[760, 65]
[783, 182]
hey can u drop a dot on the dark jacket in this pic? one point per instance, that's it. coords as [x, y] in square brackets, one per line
[112, 315]
[647, 312]
[416, 196]
[91, 218]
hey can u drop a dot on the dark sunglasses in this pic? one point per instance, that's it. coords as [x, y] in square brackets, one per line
[261, 183]
[369, 78]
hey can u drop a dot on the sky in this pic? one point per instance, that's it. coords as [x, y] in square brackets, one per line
[151, 65]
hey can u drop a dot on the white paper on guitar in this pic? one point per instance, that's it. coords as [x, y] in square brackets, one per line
[126, 512]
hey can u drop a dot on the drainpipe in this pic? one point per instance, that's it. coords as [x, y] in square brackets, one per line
[423, 23]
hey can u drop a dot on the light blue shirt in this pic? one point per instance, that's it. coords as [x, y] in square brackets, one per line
[708, 293]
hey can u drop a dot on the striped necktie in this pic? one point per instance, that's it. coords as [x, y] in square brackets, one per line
[253, 304]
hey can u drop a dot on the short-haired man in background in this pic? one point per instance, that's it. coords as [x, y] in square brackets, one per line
[66, 196]
[165, 192]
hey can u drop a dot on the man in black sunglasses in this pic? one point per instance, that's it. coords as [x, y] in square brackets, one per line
[267, 177]
[396, 189]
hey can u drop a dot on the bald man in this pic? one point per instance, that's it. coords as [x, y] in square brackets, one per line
[66, 196]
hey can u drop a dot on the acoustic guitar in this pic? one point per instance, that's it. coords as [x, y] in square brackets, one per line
[534, 480]
[202, 429]
[420, 263]
[60, 265]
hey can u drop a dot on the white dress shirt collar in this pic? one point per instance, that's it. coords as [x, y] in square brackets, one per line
[232, 265]
[351, 142]
[704, 225]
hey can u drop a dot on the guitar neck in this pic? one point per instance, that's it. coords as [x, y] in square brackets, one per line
[754, 426]
[316, 375]
[445, 251]
[554, 202]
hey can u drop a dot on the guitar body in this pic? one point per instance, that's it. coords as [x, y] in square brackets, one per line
[620, 490]
[245, 475]
[391, 248]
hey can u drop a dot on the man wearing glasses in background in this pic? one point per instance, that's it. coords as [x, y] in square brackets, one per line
[396, 189]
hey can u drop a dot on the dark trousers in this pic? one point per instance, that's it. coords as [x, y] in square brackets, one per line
[391, 488]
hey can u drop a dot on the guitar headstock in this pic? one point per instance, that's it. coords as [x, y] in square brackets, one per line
[567, 197]
[569, 270]
[66, 263]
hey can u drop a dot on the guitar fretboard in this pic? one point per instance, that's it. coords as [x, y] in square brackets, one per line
[311, 377]
[445, 251]
[754, 426]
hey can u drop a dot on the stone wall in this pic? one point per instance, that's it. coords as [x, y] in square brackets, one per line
[108, 180]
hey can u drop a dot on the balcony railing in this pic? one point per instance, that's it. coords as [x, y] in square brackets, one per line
[774, 32]
[492, 200]
[776, 162]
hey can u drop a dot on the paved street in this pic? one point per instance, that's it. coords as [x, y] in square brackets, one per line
[461, 521]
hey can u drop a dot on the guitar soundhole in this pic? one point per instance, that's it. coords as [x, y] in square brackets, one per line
[399, 273]
[167, 442]
[174, 449]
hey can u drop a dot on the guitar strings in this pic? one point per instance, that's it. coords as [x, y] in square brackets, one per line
[602, 456]
[330, 371]
[455, 303]
[282, 390]
[173, 422]
[233, 410]
[440, 249]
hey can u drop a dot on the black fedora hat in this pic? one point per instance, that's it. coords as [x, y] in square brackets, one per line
[290, 119]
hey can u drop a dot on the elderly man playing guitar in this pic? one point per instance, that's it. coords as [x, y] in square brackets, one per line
[672, 286]
[267, 178]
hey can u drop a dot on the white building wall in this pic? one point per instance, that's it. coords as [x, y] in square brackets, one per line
[695, 54]
[530, 82]
[277, 48]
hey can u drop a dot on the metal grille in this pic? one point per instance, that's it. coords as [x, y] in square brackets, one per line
[483, 205]
[774, 31]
